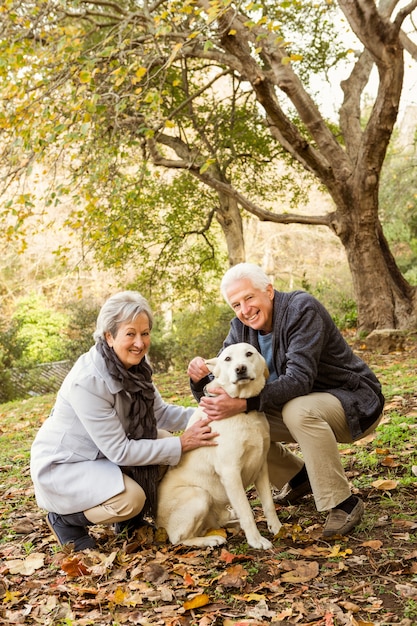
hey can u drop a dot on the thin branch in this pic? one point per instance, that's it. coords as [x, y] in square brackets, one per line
[106, 3]
[404, 13]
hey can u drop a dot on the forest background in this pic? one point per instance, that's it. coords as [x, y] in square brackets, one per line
[150, 147]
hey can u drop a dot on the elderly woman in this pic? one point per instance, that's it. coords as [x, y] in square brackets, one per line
[96, 459]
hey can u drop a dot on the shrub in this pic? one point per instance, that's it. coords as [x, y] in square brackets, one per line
[200, 332]
[81, 327]
[39, 334]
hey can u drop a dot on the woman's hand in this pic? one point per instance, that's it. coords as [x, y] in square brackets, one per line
[197, 435]
[197, 369]
[221, 405]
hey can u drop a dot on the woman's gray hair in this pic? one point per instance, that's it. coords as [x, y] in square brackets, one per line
[251, 271]
[123, 307]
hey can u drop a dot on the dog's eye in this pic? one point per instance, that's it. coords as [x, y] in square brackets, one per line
[228, 358]
[249, 353]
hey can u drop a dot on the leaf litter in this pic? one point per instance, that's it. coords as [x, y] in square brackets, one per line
[366, 579]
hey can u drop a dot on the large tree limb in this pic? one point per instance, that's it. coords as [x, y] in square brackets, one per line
[192, 161]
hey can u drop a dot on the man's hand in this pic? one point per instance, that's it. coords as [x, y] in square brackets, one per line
[221, 405]
[197, 369]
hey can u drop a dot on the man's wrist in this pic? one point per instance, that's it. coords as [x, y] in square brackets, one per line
[199, 384]
[253, 404]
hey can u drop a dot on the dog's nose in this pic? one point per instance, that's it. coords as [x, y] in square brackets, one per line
[241, 370]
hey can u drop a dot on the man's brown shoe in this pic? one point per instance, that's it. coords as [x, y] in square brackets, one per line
[341, 523]
[292, 495]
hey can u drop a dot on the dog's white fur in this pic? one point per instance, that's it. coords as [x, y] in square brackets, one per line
[195, 496]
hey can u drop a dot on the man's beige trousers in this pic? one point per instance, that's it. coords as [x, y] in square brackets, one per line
[317, 423]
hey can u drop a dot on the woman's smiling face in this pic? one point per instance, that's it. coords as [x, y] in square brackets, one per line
[254, 307]
[132, 340]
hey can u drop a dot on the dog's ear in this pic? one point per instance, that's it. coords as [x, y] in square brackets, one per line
[211, 363]
[266, 370]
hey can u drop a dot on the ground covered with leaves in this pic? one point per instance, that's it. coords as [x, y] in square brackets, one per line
[368, 578]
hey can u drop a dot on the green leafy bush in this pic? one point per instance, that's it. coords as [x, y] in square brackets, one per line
[39, 333]
[81, 327]
[199, 332]
[341, 306]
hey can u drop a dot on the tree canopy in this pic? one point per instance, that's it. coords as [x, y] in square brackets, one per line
[221, 96]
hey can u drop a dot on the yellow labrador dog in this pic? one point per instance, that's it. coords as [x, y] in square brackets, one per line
[197, 495]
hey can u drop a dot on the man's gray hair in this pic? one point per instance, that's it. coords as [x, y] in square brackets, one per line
[251, 271]
[123, 307]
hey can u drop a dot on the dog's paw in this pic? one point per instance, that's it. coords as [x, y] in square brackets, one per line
[274, 528]
[214, 540]
[262, 543]
[209, 541]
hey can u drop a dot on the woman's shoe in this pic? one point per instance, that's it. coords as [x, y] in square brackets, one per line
[71, 529]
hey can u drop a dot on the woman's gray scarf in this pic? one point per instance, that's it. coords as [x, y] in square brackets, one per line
[137, 381]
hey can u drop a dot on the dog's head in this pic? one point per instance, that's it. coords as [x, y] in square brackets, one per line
[240, 370]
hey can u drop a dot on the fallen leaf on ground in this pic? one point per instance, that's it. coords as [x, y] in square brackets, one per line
[374, 544]
[407, 591]
[26, 566]
[390, 461]
[216, 532]
[233, 577]
[336, 551]
[200, 600]
[404, 523]
[301, 572]
[385, 485]
[73, 566]
[228, 557]
[155, 573]
[349, 606]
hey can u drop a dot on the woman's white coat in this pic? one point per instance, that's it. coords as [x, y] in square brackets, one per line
[77, 452]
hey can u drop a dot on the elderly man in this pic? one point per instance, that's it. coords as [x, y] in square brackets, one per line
[319, 392]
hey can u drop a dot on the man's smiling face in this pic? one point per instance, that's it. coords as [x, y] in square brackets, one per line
[252, 306]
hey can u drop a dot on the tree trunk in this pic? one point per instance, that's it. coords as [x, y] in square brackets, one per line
[229, 217]
[383, 296]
